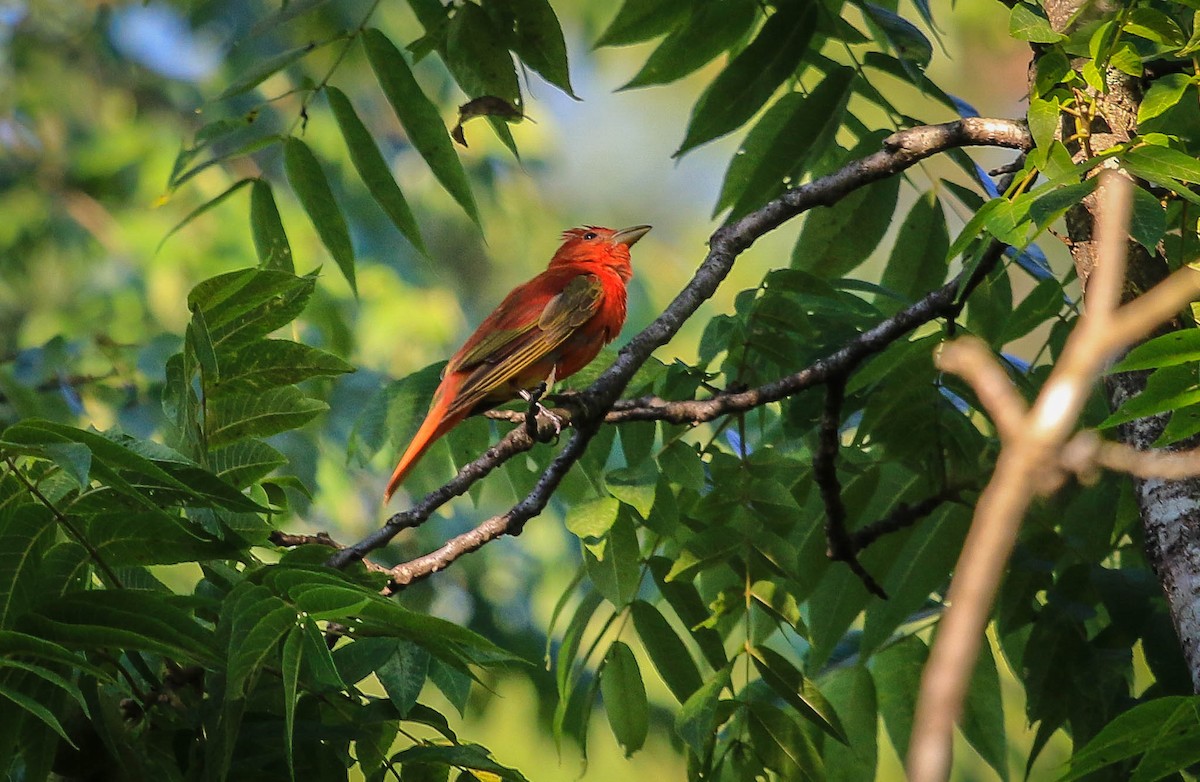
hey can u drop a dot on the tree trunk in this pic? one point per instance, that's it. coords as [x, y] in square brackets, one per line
[1169, 510]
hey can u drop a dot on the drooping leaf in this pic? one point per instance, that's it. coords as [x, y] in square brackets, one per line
[918, 261]
[778, 148]
[312, 188]
[670, 657]
[695, 721]
[270, 240]
[852, 691]
[420, 118]
[982, 721]
[373, 169]
[783, 745]
[616, 568]
[897, 674]
[713, 28]
[797, 691]
[641, 20]
[752, 76]
[625, 697]
[539, 42]
[256, 74]
[837, 239]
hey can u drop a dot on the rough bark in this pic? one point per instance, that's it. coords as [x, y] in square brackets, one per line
[1169, 510]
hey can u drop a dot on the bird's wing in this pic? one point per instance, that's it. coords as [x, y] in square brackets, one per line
[512, 339]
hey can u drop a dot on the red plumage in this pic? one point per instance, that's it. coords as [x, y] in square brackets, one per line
[545, 330]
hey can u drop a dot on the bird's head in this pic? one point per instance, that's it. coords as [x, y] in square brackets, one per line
[594, 244]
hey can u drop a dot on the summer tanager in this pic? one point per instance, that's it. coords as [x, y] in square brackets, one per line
[543, 331]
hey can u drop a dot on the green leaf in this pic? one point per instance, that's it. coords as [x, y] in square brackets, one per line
[293, 647]
[14, 644]
[33, 707]
[695, 722]
[312, 188]
[797, 691]
[782, 143]
[897, 672]
[257, 630]
[690, 608]
[243, 305]
[909, 43]
[539, 42]
[1158, 163]
[852, 691]
[1169, 388]
[593, 518]
[420, 118]
[616, 569]
[982, 721]
[752, 76]
[271, 363]
[1166, 730]
[1027, 23]
[276, 410]
[1148, 221]
[466, 756]
[671, 658]
[1154, 25]
[199, 343]
[635, 486]
[74, 458]
[836, 240]
[641, 20]
[25, 534]
[480, 62]
[260, 70]
[918, 261]
[1164, 94]
[782, 744]
[403, 675]
[713, 28]
[125, 619]
[1042, 304]
[922, 566]
[624, 697]
[270, 240]
[1174, 348]
[209, 204]
[130, 538]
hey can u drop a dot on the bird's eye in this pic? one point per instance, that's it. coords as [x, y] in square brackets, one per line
[590, 235]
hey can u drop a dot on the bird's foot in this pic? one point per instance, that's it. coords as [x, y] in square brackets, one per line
[536, 409]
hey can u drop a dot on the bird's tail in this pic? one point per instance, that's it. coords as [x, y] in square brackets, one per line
[436, 424]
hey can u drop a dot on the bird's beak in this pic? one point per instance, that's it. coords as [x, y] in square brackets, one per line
[629, 236]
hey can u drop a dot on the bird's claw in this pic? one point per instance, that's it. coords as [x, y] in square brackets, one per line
[536, 409]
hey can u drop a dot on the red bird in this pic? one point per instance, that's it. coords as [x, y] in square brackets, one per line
[545, 330]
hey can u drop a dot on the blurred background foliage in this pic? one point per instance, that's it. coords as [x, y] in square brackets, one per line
[97, 99]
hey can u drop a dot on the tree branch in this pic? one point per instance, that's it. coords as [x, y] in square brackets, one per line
[1029, 463]
[901, 150]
